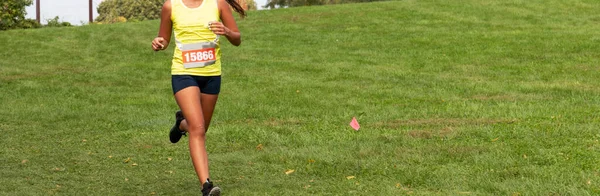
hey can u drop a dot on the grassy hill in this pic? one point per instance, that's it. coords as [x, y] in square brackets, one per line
[474, 97]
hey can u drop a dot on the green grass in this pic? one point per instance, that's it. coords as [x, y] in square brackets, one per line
[476, 97]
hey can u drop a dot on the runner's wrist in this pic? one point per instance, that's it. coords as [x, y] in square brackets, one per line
[227, 32]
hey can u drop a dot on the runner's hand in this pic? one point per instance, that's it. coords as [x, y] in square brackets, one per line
[218, 28]
[159, 43]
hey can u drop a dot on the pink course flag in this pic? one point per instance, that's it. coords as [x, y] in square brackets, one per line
[354, 124]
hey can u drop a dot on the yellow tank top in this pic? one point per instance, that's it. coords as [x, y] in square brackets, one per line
[190, 26]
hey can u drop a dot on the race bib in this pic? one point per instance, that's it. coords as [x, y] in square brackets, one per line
[198, 54]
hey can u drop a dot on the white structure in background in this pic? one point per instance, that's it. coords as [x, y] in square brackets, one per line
[75, 12]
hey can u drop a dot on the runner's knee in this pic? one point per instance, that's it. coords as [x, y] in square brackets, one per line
[197, 130]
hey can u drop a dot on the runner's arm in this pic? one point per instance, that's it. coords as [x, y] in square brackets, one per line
[229, 27]
[161, 42]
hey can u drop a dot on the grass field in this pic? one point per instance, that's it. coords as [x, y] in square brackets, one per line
[466, 97]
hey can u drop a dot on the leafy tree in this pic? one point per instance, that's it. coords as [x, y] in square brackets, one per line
[251, 4]
[12, 15]
[110, 11]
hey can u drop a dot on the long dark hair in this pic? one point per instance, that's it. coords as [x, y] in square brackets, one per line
[237, 7]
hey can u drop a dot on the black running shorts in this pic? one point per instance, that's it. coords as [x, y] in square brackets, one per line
[207, 84]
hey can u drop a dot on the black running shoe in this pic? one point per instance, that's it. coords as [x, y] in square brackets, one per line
[176, 133]
[208, 189]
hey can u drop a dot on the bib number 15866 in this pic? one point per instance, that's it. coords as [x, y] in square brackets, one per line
[200, 55]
